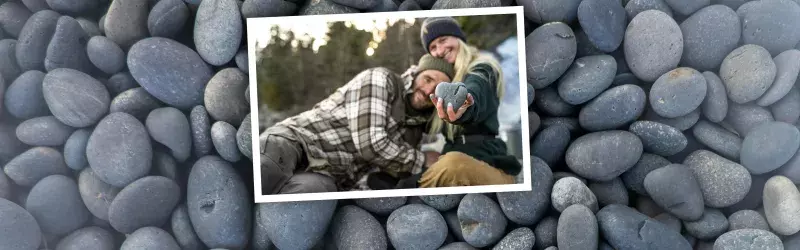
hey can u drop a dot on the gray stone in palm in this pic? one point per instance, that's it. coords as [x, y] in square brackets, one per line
[452, 93]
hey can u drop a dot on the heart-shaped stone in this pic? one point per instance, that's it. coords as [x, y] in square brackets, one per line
[452, 93]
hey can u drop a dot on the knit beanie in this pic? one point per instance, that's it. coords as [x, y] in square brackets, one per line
[429, 62]
[435, 27]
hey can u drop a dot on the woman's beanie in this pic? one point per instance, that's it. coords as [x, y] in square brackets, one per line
[435, 27]
[428, 62]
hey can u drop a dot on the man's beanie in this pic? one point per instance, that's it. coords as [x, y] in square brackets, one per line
[435, 27]
[428, 62]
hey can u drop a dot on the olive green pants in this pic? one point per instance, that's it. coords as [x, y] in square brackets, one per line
[456, 169]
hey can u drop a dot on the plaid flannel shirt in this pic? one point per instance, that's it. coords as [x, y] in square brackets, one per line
[355, 130]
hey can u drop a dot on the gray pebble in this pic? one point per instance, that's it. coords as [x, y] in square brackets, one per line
[36, 5]
[13, 16]
[219, 204]
[33, 165]
[715, 104]
[67, 49]
[119, 150]
[451, 93]
[405, 232]
[72, 7]
[201, 131]
[56, 204]
[75, 98]
[384, 6]
[791, 169]
[96, 194]
[34, 38]
[520, 238]
[182, 229]
[548, 101]
[268, 8]
[659, 138]
[244, 138]
[9, 70]
[224, 99]
[560, 175]
[718, 139]
[545, 232]
[550, 50]
[223, 135]
[546, 11]
[164, 165]
[409, 5]
[439, 202]
[602, 156]
[670, 221]
[358, 4]
[634, 7]
[749, 239]
[243, 64]
[768, 24]
[551, 248]
[218, 30]
[787, 109]
[528, 207]
[747, 72]
[75, 149]
[482, 220]
[675, 189]
[20, 228]
[753, 198]
[120, 82]
[451, 218]
[569, 191]
[382, 206]
[154, 61]
[610, 192]
[687, 7]
[260, 240]
[170, 127]
[653, 45]
[87, 238]
[325, 7]
[604, 22]
[24, 98]
[160, 195]
[587, 78]
[43, 131]
[151, 238]
[709, 35]
[682, 123]
[787, 67]
[769, 146]
[550, 144]
[626, 229]
[6, 187]
[745, 117]
[136, 102]
[678, 92]
[106, 55]
[167, 18]
[744, 219]
[585, 46]
[577, 228]
[722, 181]
[355, 228]
[90, 27]
[626, 78]
[125, 23]
[461, 4]
[458, 246]
[614, 108]
[711, 225]
[534, 123]
[646, 205]
[782, 205]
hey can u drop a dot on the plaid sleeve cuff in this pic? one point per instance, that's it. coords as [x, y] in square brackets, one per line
[419, 163]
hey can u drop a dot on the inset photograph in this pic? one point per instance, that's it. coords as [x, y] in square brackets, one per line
[389, 104]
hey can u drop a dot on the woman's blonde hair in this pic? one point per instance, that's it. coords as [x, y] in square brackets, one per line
[467, 58]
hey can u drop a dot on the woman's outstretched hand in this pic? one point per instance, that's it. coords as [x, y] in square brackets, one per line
[448, 113]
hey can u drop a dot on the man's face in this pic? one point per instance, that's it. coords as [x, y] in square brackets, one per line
[424, 85]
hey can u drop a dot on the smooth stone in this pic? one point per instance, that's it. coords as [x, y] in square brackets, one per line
[769, 146]
[451, 218]
[626, 78]
[24, 98]
[409, 5]
[56, 204]
[90, 27]
[675, 189]
[384, 6]
[610, 192]
[659, 138]
[482, 220]
[687, 7]
[626, 229]
[548, 101]
[550, 144]
[150, 238]
[614, 108]
[260, 239]
[602, 156]
[121, 82]
[164, 165]
[224, 99]
[96, 194]
[787, 109]
[219, 204]
[382, 206]
[463, 4]
[359, 4]
[577, 228]
[682, 123]
[106, 55]
[43, 131]
[458, 246]
[20, 228]
[520, 238]
[768, 24]
[201, 131]
[718, 139]
[33, 165]
[87, 238]
[325, 7]
[754, 197]
[405, 232]
[634, 178]
[634, 7]
[160, 195]
[170, 127]
[67, 49]
[711, 225]
[787, 68]
[653, 45]
[451, 93]
[355, 228]
[75, 98]
[183, 230]
[569, 191]
[546, 11]
[749, 239]
[545, 232]
[709, 35]
[722, 181]
[125, 23]
[13, 16]
[244, 138]
[534, 123]
[73, 7]
[223, 135]
[34, 38]
[268, 8]
[744, 219]
[9, 70]
[218, 30]
[136, 102]
[154, 63]
[167, 18]
[75, 149]
[119, 150]
[6, 188]
[743, 118]
[715, 104]
[550, 50]
[439, 202]
[782, 205]
[604, 22]
[748, 71]
[243, 64]
[585, 46]
[678, 92]
[36, 5]
[791, 169]
[528, 207]
[587, 78]
[669, 220]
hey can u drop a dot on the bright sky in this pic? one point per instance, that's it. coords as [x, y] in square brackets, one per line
[318, 30]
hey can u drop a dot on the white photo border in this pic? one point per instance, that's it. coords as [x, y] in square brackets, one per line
[259, 23]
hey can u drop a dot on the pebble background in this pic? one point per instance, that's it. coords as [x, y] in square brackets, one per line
[655, 124]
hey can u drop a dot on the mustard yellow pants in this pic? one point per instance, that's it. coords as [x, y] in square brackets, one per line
[456, 169]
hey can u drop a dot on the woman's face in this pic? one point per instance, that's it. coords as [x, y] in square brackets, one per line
[445, 47]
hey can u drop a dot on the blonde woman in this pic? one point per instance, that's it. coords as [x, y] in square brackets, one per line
[473, 155]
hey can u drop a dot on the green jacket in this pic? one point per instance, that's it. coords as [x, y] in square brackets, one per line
[481, 118]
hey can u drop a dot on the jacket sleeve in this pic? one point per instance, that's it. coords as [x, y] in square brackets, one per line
[481, 83]
[368, 106]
